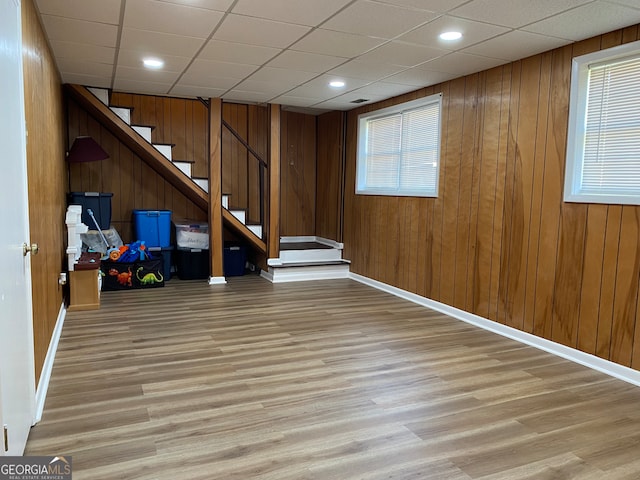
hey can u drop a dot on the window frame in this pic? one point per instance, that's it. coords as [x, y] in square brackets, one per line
[573, 191]
[361, 154]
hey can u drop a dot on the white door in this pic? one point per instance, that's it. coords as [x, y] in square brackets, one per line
[17, 375]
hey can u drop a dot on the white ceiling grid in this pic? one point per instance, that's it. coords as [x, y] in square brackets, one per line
[287, 51]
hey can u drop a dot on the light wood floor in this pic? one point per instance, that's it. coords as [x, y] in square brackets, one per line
[320, 380]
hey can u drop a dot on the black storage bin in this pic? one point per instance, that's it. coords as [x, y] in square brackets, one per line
[132, 275]
[100, 205]
[166, 253]
[192, 263]
[235, 258]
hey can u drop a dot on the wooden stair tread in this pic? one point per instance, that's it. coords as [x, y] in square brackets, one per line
[304, 246]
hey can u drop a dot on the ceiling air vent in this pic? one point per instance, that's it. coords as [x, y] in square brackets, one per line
[360, 100]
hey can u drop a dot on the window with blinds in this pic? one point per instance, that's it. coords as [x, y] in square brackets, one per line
[603, 154]
[399, 149]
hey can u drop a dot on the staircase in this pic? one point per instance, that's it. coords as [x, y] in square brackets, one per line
[307, 258]
[300, 258]
[142, 134]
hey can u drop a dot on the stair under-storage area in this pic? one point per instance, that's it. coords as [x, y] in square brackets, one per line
[299, 258]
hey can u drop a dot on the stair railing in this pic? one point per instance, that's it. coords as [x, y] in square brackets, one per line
[262, 167]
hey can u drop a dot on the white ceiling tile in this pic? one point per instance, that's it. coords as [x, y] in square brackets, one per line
[439, 6]
[305, 61]
[269, 89]
[212, 68]
[237, 52]
[514, 13]
[80, 31]
[628, 3]
[144, 87]
[185, 90]
[82, 51]
[461, 64]
[515, 45]
[256, 31]
[577, 24]
[402, 54]
[472, 32]
[286, 76]
[338, 44]
[294, 101]
[381, 90]
[145, 75]
[378, 19]
[303, 12]
[163, 17]
[319, 87]
[133, 59]
[342, 105]
[367, 71]
[220, 5]
[242, 96]
[100, 11]
[212, 82]
[88, 80]
[72, 65]
[266, 49]
[419, 78]
[159, 44]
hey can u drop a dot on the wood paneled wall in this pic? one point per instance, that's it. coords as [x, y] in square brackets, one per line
[499, 241]
[330, 176]
[133, 183]
[297, 174]
[46, 171]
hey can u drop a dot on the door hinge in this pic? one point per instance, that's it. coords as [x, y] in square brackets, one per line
[6, 438]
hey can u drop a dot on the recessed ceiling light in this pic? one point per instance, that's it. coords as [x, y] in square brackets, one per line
[153, 63]
[451, 35]
[336, 84]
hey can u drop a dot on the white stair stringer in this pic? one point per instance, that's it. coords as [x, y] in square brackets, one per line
[240, 215]
[144, 132]
[101, 93]
[164, 150]
[123, 113]
[203, 183]
[256, 229]
[308, 272]
[184, 167]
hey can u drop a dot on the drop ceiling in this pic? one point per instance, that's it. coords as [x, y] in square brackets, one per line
[287, 51]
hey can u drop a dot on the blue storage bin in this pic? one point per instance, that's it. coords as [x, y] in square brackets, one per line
[234, 260]
[153, 227]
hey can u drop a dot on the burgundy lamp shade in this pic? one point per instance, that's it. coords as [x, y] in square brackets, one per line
[86, 149]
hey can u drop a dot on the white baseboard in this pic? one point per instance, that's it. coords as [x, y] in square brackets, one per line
[596, 363]
[266, 275]
[45, 375]
[217, 280]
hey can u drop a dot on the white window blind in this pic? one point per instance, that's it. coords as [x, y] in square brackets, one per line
[399, 149]
[603, 156]
[612, 137]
